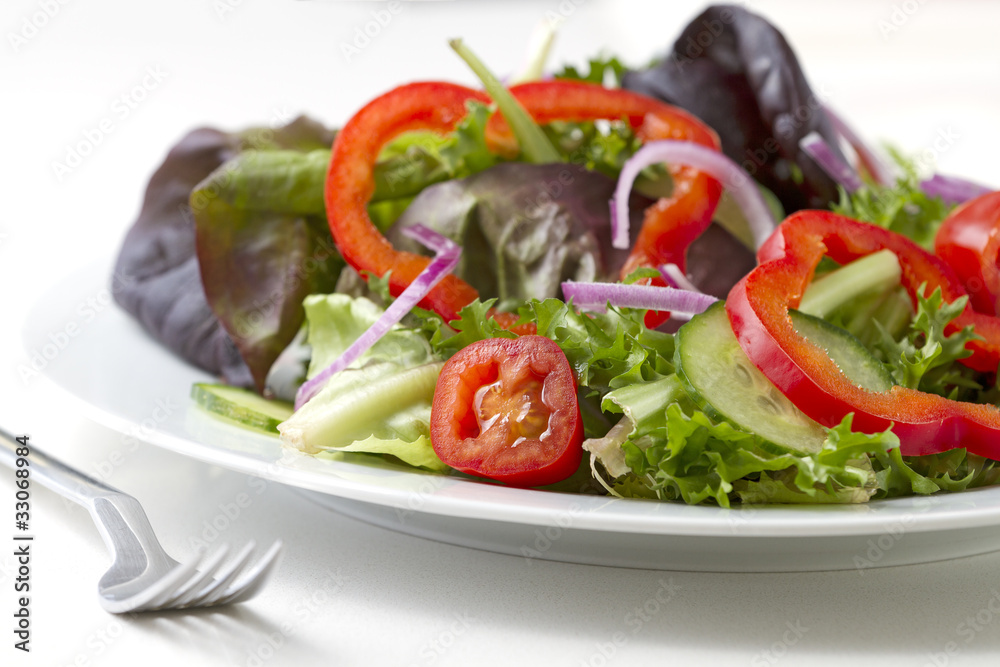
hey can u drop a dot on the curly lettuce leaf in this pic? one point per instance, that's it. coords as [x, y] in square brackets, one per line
[953, 470]
[604, 70]
[695, 459]
[925, 358]
[606, 350]
[902, 207]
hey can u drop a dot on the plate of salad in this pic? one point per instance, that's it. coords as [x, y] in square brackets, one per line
[678, 316]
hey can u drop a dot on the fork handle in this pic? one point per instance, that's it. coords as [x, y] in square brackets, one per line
[54, 474]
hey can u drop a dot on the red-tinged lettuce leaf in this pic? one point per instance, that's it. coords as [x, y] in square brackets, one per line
[736, 72]
[263, 245]
[159, 281]
[717, 260]
[525, 228]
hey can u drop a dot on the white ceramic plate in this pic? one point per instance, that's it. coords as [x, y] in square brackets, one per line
[131, 384]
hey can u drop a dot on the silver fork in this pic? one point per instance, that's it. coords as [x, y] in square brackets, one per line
[143, 577]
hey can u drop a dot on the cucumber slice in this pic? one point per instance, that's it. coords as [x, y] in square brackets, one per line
[724, 383]
[850, 355]
[242, 406]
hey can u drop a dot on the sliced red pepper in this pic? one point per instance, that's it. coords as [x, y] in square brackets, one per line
[350, 183]
[969, 240]
[758, 309]
[672, 223]
[669, 227]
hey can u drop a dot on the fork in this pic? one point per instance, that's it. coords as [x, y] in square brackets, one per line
[143, 577]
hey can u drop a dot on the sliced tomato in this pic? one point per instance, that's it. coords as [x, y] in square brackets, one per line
[506, 409]
[969, 240]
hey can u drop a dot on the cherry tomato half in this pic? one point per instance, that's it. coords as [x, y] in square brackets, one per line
[506, 409]
[969, 240]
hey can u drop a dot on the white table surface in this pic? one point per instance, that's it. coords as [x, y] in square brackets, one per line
[346, 592]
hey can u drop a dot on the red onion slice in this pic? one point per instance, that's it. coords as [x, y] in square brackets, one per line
[881, 172]
[447, 253]
[815, 146]
[596, 296]
[739, 184]
[676, 278]
[952, 189]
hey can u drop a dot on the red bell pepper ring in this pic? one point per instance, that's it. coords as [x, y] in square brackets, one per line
[672, 223]
[969, 240]
[350, 183]
[669, 227]
[758, 310]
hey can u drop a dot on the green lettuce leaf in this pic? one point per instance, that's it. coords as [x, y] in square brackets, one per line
[381, 404]
[695, 459]
[925, 358]
[954, 470]
[603, 70]
[337, 320]
[606, 350]
[419, 453]
[903, 207]
[416, 160]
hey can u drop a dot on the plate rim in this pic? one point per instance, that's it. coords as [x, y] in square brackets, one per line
[597, 513]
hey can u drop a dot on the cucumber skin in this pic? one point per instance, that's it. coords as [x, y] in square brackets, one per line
[876, 378]
[813, 432]
[207, 397]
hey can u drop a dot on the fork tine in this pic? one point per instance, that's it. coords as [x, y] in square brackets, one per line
[224, 577]
[140, 601]
[253, 580]
[171, 598]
